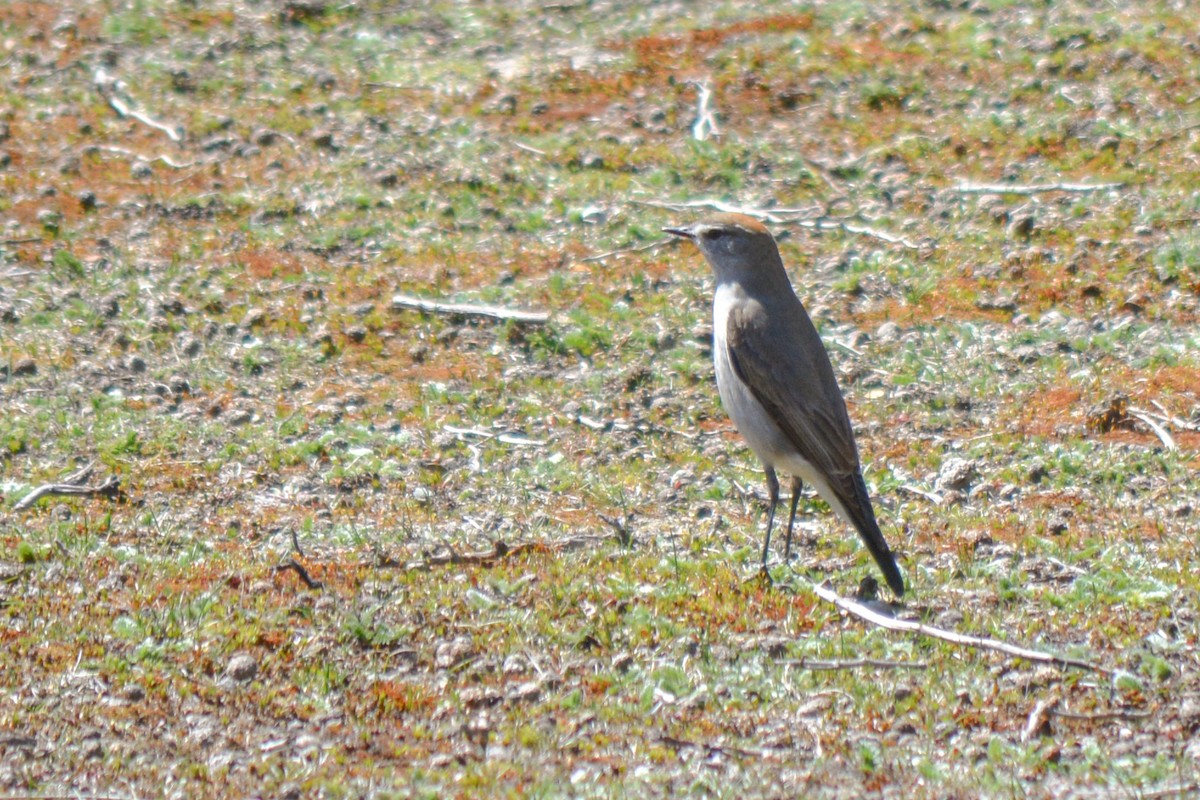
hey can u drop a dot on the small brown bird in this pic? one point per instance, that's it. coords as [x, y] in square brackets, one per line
[776, 381]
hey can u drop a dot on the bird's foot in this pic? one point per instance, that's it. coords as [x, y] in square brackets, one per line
[868, 590]
[763, 576]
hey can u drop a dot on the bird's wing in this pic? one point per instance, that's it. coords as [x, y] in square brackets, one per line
[783, 362]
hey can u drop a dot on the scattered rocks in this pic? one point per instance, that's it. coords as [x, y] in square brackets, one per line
[453, 652]
[1059, 522]
[476, 697]
[956, 474]
[997, 302]
[887, 332]
[240, 417]
[526, 693]
[49, 219]
[324, 139]
[242, 667]
[253, 318]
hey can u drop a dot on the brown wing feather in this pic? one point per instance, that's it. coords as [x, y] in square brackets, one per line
[794, 380]
[796, 384]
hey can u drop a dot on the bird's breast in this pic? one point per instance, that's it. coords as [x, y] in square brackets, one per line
[753, 421]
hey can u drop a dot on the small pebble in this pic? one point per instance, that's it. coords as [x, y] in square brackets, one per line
[242, 667]
[254, 317]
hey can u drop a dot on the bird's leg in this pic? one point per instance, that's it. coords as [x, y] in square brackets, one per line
[773, 491]
[797, 486]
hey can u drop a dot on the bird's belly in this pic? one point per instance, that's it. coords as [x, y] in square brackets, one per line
[766, 439]
[753, 421]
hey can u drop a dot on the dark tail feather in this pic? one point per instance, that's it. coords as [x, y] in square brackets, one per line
[858, 506]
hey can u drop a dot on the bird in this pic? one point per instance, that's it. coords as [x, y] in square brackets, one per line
[777, 383]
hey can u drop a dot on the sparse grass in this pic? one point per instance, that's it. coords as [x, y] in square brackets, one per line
[216, 330]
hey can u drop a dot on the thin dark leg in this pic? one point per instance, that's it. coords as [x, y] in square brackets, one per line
[773, 491]
[797, 486]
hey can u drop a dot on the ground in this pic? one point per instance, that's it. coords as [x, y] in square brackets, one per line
[350, 548]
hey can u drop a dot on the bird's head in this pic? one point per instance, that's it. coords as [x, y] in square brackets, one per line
[737, 246]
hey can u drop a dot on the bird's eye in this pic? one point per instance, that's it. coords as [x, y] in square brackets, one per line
[714, 234]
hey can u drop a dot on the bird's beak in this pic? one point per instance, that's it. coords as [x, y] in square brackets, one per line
[683, 233]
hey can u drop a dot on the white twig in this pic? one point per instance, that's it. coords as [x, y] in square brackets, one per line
[916, 491]
[966, 187]
[401, 301]
[477, 432]
[771, 215]
[622, 251]
[527, 148]
[891, 623]
[706, 121]
[788, 215]
[1162, 433]
[1103, 716]
[116, 92]
[818, 665]
[121, 151]
[145, 119]
[1166, 416]
[506, 437]
[1038, 722]
[861, 230]
[110, 488]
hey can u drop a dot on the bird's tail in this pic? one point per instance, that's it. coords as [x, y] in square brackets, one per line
[862, 516]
